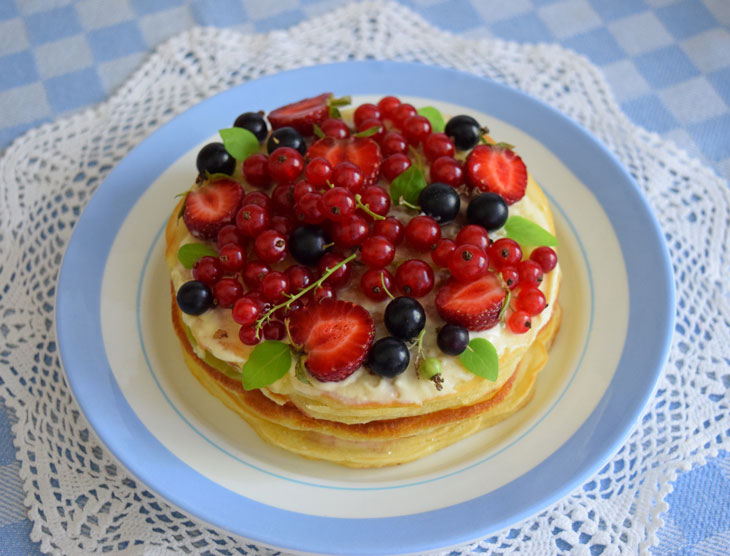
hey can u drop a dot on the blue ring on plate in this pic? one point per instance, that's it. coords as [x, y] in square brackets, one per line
[645, 349]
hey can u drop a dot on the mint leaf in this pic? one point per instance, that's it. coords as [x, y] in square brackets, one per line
[408, 186]
[268, 362]
[240, 143]
[480, 358]
[526, 232]
[189, 253]
[367, 132]
[434, 116]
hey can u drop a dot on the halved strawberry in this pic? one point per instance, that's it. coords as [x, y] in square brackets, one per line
[210, 207]
[303, 114]
[335, 335]
[361, 151]
[497, 169]
[474, 305]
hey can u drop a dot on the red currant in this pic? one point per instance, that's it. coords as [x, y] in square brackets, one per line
[301, 188]
[377, 252]
[377, 199]
[282, 199]
[364, 112]
[546, 257]
[393, 143]
[275, 286]
[416, 129]
[391, 228]
[519, 322]
[251, 220]
[414, 277]
[318, 171]
[310, 210]
[401, 113]
[371, 283]
[387, 105]
[339, 277]
[323, 292]
[257, 198]
[350, 231]
[347, 175]
[468, 262]
[257, 298]
[448, 170]
[285, 164]
[423, 233]
[274, 330]
[511, 277]
[334, 127]
[442, 253]
[249, 336]
[227, 291]
[229, 234]
[207, 270]
[530, 272]
[531, 300]
[282, 224]
[256, 170]
[246, 311]
[254, 272]
[394, 165]
[437, 145]
[504, 252]
[231, 257]
[299, 277]
[373, 123]
[476, 235]
[338, 203]
[270, 246]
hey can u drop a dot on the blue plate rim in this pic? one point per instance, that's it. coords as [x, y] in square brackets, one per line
[646, 346]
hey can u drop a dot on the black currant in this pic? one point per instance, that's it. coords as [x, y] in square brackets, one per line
[194, 298]
[388, 357]
[214, 159]
[255, 123]
[452, 339]
[286, 137]
[308, 244]
[440, 201]
[405, 317]
[465, 131]
[489, 211]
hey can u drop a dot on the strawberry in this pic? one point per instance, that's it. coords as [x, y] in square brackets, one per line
[474, 305]
[335, 335]
[303, 114]
[210, 207]
[497, 169]
[361, 151]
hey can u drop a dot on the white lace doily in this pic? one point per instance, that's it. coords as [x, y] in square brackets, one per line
[81, 501]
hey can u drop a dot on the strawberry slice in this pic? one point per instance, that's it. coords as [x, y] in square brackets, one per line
[474, 305]
[211, 206]
[303, 114]
[497, 169]
[361, 151]
[336, 336]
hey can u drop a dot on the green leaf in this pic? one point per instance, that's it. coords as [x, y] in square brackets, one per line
[526, 232]
[240, 143]
[367, 132]
[480, 358]
[408, 185]
[189, 253]
[269, 361]
[434, 116]
[318, 131]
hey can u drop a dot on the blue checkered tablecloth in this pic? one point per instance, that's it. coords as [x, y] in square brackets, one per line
[668, 62]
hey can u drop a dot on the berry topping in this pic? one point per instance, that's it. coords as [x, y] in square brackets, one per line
[394, 165]
[468, 262]
[212, 206]
[270, 246]
[274, 286]
[474, 305]
[519, 322]
[308, 244]
[386, 105]
[348, 175]
[318, 171]
[246, 311]
[505, 252]
[388, 357]
[488, 210]
[303, 114]
[414, 278]
[391, 228]
[393, 143]
[334, 127]
[361, 151]
[448, 170]
[442, 252]
[545, 257]
[377, 252]
[339, 277]
[256, 170]
[497, 169]
[464, 130]
[531, 300]
[423, 233]
[254, 272]
[338, 203]
[372, 282]
[232, 257]
[255, 123]
[350, 231]
[365, 112]
[452, 339]
[530, 272]
[405, 318]
[476, 235]
[416, 129]
[208, 270]
[286, 137]
[213, 158]
[335, 335]
[227, 291]
[194, 298]
[285, 164]
[440, 201]
[252, 219]
[437, 145]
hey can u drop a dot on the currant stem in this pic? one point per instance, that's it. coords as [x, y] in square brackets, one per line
[366, 208]
[385, 288]
[326, 274]
[409, 205]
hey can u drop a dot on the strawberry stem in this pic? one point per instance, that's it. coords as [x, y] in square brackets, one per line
[286, 304]
[366, 208]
